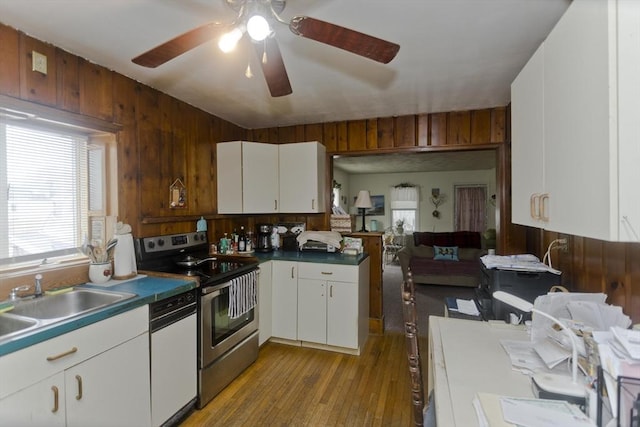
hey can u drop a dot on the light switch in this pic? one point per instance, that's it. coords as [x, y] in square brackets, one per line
[39, 62]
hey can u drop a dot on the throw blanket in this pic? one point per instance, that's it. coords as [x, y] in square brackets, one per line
[242, 294]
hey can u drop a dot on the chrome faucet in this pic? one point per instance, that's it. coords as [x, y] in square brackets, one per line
[38, 286]
[13, 295]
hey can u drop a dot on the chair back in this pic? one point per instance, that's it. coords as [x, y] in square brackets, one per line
[413, 349]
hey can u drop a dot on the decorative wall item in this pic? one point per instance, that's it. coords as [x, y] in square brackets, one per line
[437, 199]
[378, 206]
[177, 195]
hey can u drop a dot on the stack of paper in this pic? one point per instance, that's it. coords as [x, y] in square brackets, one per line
[500, 411]
[629, 339]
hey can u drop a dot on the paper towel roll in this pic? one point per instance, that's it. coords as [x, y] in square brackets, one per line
[124, 257]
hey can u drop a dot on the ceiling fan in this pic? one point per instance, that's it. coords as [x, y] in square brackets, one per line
[256, 18]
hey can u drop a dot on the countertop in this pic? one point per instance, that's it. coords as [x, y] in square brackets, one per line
[311, 256]
[148, 289]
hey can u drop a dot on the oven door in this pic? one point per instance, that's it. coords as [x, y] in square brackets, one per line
[218, 332]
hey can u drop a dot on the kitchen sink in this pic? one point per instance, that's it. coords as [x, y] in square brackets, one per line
[68, 304]
[11, 325]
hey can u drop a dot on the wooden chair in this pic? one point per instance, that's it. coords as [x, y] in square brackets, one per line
[413, 353]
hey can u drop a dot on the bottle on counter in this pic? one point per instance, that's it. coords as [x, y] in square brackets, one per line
[224, 244]
[242, 240]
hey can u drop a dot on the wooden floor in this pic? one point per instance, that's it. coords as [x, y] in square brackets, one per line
[294, 386]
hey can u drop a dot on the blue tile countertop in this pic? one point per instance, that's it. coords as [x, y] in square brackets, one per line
[312, 256]
[148, 289]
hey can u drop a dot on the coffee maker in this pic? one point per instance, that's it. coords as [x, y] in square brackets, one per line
[263, 240]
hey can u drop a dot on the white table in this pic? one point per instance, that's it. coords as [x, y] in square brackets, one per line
[465, 357]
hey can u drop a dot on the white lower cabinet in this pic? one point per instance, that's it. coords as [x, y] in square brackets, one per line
[97, 375]
[265, 309]
[331, 306]
[285, 300]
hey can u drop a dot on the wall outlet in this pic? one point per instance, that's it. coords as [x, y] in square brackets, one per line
[38, 62]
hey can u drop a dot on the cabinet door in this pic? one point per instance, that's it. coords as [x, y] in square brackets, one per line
[41, 404]
[112, 388]
[259, 177]
[285, 300]
[302, 177]
[229, 177]
[312, 310]
[527, 142]
[342, 314]
[265, 308]
[578, 122]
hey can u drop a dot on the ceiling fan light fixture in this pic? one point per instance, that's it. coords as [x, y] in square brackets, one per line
[258, 28]
[228, 41]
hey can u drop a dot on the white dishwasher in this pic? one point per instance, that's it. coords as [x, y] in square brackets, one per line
[173, 326]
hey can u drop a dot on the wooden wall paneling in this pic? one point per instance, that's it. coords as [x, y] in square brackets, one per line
[632, 281]
[35, 86]
[423, 130]
[183, 128]
[386, 132]
[202, 167]
[499, 121]
[96, 91]
[459, 128]
[481, 126]
[10, 63]
[287, 134]
[274, 136]
[259, 135]
[372, 134]
[438, 129]
[330, 137]
[125, 91]
[593, 267]
[405, 131]
[576, 277]
[300, 134]
[342, 133]
[68, 84]
[357, 131]
[614, 269]
[313, 132]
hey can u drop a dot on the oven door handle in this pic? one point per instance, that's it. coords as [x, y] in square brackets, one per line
[210, 289]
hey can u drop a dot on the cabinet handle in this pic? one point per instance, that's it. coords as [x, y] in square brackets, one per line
[543, 207]
[533, 211]
[313, 204]
[55, 399]
[79, 380]
[331, 291]
[275, 205]
[61, 355]
[329, 273]
[292, 272]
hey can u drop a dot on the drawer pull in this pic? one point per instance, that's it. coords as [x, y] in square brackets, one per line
[61, 355]
[326, 273]
[331, 291]
[79, 380]
[55, 399]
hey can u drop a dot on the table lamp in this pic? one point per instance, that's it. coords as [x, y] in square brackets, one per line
[363, 202]
[554, 385]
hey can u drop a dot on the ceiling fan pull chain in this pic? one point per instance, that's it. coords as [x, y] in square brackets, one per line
[264, 52]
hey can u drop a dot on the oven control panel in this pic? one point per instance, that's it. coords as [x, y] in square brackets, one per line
[171, 242]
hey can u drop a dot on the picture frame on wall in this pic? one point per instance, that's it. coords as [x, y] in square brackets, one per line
[378, 206]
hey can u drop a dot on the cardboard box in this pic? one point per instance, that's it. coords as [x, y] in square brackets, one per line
[343, 223]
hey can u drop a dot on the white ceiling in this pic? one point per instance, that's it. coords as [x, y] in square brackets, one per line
[454, 54]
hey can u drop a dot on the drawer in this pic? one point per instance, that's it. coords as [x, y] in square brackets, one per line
[332, 272]
[30, 365]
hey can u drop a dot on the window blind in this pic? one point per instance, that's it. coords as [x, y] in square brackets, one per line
[45, 180]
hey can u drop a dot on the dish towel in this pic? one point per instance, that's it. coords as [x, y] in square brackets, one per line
[242, 294]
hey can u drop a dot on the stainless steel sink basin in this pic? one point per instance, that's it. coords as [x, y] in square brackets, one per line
[11, 325]
[68, 304]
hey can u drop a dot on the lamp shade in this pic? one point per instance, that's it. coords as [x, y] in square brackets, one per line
[363, 200]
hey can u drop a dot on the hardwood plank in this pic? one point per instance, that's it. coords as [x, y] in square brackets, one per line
[10, 64]
[299, 386]
[35, 86]
[405, 131]
[68, 84]
[385, 132]
[357, 131]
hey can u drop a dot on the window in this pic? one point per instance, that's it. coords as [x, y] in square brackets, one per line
[404, 207]
[53, 180]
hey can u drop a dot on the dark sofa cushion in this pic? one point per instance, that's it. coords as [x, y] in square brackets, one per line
[425, 266]
[462, 239]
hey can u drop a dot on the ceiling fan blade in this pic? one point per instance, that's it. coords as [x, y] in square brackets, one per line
[273, 69]
[178, 45]
[344, 38]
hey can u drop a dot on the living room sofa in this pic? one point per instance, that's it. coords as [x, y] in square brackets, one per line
[446, 258]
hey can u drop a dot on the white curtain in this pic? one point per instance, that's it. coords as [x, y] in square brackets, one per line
[404, 198]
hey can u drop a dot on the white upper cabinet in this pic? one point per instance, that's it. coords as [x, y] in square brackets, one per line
[589, 134]
[247, 177]
[302, 177]
[255, 177]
